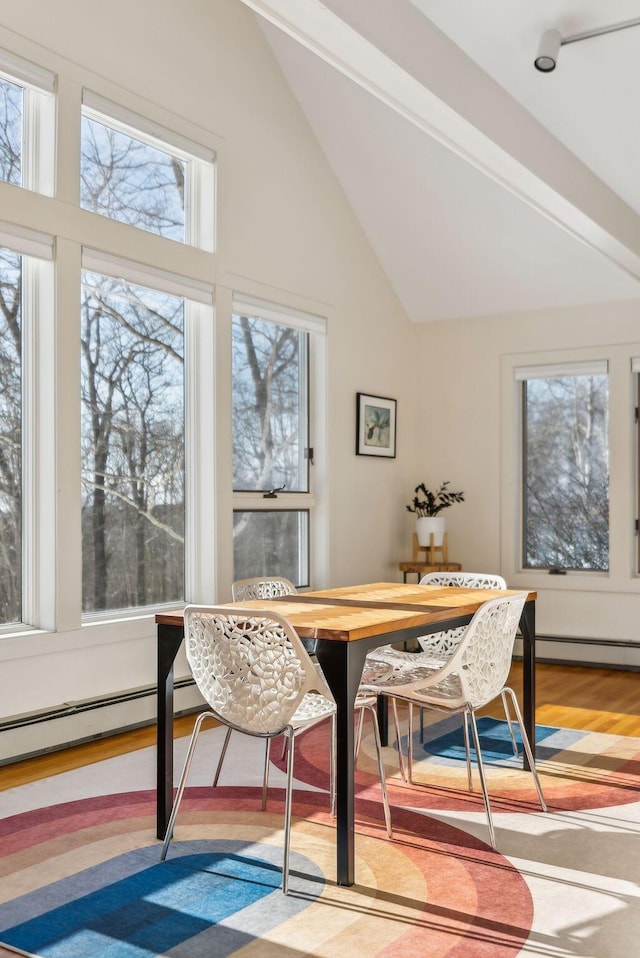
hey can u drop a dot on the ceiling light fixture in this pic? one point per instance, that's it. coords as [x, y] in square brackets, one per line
[551, 41]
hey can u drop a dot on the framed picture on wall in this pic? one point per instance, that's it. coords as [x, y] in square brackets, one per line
[375, 426]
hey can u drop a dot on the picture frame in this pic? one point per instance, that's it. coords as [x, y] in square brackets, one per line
[375, 426]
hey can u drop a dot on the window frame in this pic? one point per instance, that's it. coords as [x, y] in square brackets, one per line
[38, 443]
[200, 192]
[314, 401]
[38, 121]
[198, 332]
[303, 579]
[623, 573]
[524, 375]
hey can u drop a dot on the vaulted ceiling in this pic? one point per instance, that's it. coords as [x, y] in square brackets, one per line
[483, 185]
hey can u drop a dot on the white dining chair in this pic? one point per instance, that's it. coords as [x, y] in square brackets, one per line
[444, 643]
[471, 677]
[269, 587]
[246, 590]
[257, 678]
[440, 645]
[437, 647]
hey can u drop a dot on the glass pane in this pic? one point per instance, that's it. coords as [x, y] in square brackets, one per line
[132, 182]
[132, 445]
[11, 107]
[271, 543]
[10, 438]
[567, 473]
[269, 406]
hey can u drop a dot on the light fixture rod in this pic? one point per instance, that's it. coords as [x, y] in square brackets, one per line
[598, 32]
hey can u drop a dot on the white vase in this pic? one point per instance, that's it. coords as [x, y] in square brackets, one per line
[426, 525]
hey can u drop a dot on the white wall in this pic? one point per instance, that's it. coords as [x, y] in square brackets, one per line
[285, 233]
[467, 435]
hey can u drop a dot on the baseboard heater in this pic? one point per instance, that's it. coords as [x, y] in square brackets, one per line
[588, 645]
[72, 723]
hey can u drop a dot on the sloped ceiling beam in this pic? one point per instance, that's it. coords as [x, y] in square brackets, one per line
[395, 53]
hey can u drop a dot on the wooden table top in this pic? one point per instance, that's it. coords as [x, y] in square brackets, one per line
[355, 612]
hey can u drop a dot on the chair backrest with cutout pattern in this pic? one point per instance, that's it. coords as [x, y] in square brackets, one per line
[483, 657]
[261, 587]
[464, 580]
[250, 667]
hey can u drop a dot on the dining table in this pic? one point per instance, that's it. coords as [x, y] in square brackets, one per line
[344, 624]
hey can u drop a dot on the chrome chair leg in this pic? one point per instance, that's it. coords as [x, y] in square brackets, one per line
[396, 722]
[356, 747]
[332, 768]
[287, 813]
[527, 748]
[183, 781]
[410, 745]
[483, 781]
[265, 775]
[383, 784]
[467, 749]
[221, 759]
[507, 713]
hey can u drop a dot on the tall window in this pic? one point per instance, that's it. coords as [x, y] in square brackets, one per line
[130, 324]
[132, 445]
[271, 454]
[566, 467]
[133, 380]
[10, 437]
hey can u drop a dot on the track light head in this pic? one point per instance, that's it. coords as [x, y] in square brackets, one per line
[551, 41]
[548, 50]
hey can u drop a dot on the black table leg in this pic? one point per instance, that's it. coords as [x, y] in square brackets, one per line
[382, 710]
[169, 641]
[528, 629]
[342, 664]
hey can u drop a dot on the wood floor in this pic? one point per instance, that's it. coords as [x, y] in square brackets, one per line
[598, 700]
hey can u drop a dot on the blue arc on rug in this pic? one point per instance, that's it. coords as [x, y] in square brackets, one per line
[153, 907]
[495, 742]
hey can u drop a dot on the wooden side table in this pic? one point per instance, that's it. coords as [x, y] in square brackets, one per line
[420, 567]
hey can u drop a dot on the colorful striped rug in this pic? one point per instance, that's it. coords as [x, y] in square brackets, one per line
[82, 878]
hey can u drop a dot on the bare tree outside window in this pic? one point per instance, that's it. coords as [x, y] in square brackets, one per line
[270, 437]
[269, 418]
[130, 181]
[10, 437]
[132, 445]
[271, 542]
[11, 111]
[566, 462]
[132, 386]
